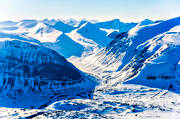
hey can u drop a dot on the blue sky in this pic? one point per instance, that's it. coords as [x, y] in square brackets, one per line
[126, 10]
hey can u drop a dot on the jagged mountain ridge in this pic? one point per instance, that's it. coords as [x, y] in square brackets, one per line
[116, 24]
[49, 32]
[139, 72]
[82, 38]
[127, 56]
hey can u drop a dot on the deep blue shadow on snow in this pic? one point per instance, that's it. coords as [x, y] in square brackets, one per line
[170, 85]
[44, 93]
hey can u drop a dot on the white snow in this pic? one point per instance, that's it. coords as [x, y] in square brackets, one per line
[138, 72]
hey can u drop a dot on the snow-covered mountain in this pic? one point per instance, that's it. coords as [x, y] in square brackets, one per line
[116, 24]
[8, 23]
[35, 29]
[136, 65]
[36, 76]
[158, 61]
[145, 22]
[148, 55]
[66, 46]
[87, 36]
[91, 31]
[85, 39]
[65, 28]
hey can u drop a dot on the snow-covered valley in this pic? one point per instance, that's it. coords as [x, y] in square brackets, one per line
[83, 69]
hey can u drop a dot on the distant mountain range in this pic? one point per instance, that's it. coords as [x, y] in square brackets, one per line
[83, 36]
[35, 58]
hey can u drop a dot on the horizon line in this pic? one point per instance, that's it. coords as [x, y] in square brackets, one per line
[88, 19]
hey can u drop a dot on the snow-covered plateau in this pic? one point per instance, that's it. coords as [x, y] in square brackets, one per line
[88, 69]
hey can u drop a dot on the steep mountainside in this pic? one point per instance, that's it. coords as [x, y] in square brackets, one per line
[66, 46]
[32, 76]
[136, 65]
[146, 55]
[86, 36]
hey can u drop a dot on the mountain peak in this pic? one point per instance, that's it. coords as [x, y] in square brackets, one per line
[112, 24]
[88, 25]
[146, 22]
[63, 27]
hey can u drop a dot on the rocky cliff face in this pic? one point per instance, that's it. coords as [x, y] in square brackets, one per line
[32, 70]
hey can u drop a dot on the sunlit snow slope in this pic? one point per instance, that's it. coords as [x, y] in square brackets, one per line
[136, 65]
[148, 55]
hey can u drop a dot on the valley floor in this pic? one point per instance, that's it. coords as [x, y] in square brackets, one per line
[124, 102]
